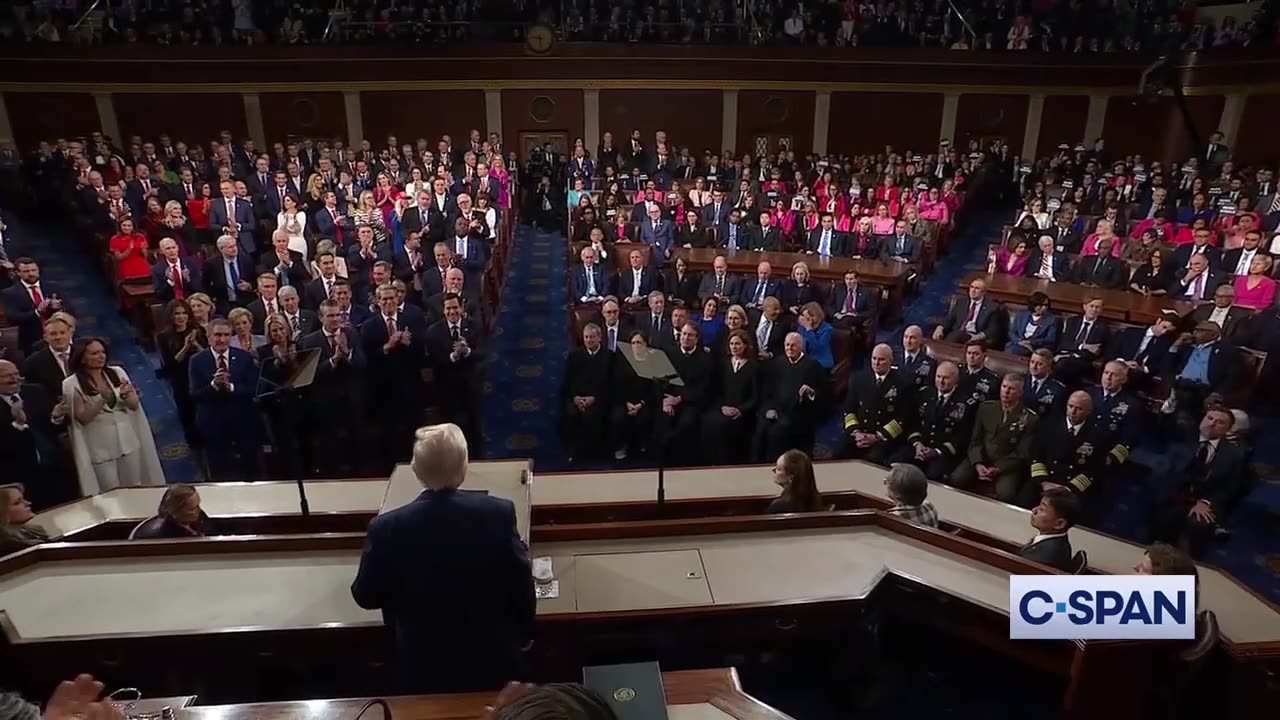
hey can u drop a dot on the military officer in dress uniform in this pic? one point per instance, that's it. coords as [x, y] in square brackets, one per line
[1042, 392]
[1000, 450]
[1117, 412]
[877, 409]
[975, 379]
[1068, 453]
[943, 426]
[916, 363]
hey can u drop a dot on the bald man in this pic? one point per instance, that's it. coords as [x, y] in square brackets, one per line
[1068, 452]
[943, 424]
[877, 410]
[29, 421]
[1118, 413]
[915, 361]
[794, 402]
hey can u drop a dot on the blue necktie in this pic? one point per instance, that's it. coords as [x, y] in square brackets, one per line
[733, 237]
[825, 248]
[235, 281]
[759, 292]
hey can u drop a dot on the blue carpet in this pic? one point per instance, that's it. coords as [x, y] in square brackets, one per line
[65, 269]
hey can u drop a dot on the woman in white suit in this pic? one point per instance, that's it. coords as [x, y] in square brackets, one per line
[292, 220]
[110, 437]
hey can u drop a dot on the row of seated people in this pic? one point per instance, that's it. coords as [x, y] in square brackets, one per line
[1144, 264]
[1026, 429]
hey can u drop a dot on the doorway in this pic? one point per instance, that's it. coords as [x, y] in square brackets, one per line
[559, 142]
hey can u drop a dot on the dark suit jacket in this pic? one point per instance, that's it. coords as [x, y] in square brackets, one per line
[218, 410]
[1182, 256]
[777, 333]
[1068, 341]
[837, 241]
[467, 541]
[164, 291]
[29, 453]
[763, 241]
[477, 253]
[864, 301]
[1232, 258]
[1221, 482]
[297, 274]
[1068, 242]
[626, 283]
[1126, 347]
[244, 215]
[413, 220]
[215, 278]
[1103, 271]
[748, 288]
[346, 377]
[326, 228]
[19, 310]
[1061, 266]
[911, 248]
[42, 369]
[1180, 287]
[1224, 365]
[707, 287]
[989, 320]
[599, 278]
[1054, 552]
[1231, 325]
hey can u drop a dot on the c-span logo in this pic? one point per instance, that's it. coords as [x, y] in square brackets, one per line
[1102, 607]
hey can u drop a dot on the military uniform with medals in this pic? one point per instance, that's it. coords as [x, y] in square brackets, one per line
[982, 385]
[943, 426]
[1046, 397]
[919, 369]
[1002, 440]
[883, 408]
[1119, 420]
[1066, 458]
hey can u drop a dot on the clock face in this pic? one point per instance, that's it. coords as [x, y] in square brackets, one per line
[539, 38]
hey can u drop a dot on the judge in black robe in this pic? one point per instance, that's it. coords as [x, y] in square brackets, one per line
[794, 402]
[677, 430]
[731, 407]
[586, 381]
[632, 401]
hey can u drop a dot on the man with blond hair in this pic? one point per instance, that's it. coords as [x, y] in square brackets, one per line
[451, 576]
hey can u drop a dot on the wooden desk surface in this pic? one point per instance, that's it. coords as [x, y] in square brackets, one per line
[1068, 297]
[710, 694]
[874, 272]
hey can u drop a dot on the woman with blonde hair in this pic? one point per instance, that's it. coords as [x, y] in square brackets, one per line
[799, 289]
[242, 335]
[173, 223]
[201, 310]
[367, 212]
[17, 532]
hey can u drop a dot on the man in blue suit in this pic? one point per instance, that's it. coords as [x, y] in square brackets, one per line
[232, 216]
[141, 188]
[590, 284]
[826, 240]
[657, 233]
[229, 277]
[224, 381]
[752, 292]
[451, 576]
[715, 214]
[901, 247]
[332, 221]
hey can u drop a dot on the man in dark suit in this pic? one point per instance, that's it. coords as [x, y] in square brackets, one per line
[656, 323]
[1143, 350]
[224, 382]
[30, 422]
[229, 276]
[1065, 238]
[233, 216]
[734, 234]
[289, 267]
[719, 283]
[1223, 312]
[584, 395]
[769, 327]
[754, 290]
[590, 284]
[469, 639]
[416, 218]
[454, 345]
[1208, 478]
[433, 277]
[1102, 270]
[440, 206]
[301, 322]
[825, 240]
[338, 390]
[794, 401]
[877, 410]
[352, 314]
[468, 248]
[141, 188]
[408, 264]
[48, 366]
[1080, 343]
[764, 237]
[1040, 391]
[1199, 245]
[362, 259]
[321, 288]
[394, 344]
[943, 425]
[332, 222]
[27, 302]
[901, 246]
[174, 276]
[1047, 262]
[1236, 262]
[1197, 282]
[637, 280]
[475, 222]
[715, 214]
[999, 450]
[659, 234]
[1199, 363]
[977, 319]
[455, 283]
[1053, 518]
[850, 304]
[615, 327]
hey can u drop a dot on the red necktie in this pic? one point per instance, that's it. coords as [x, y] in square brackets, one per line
[177, 281]
[282, 194]
[848, 300]
[222, 363]
[973, 310]
[36, 297]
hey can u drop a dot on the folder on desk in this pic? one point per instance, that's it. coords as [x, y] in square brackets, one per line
[633, 690]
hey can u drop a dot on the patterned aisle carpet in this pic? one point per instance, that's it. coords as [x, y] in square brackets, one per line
[67, 270]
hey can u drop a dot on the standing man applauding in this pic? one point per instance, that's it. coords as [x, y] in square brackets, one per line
[450, 575]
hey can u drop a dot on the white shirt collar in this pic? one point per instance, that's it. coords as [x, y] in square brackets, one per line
[1041, 537]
